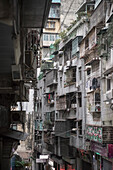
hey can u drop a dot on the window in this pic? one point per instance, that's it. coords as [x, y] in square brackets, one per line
[88, 72]
[74, 74]
[86, 43]
[80, 73]
[80, 99]
[95, 66]
[47, 26]
[52, 24]
[52, 38]
[80, 127]
[57, 36]
[54, 11]
[108, 84]
[60, 81]
[45, 37]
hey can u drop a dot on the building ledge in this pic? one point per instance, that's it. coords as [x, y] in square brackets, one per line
[13, 134]
[108, 71]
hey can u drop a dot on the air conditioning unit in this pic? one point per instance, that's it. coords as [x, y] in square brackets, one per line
[73, 106]
[109, 76]
[54, 81]
[65, 69]
[77, 49]
[16, 73]
[18, 117]
[47, 89]
[60, 68]
[74, 62]
[68, 63]
[53, 128]
[52, 101]
[109, 94]
[68, 109]
[55, 65]
[88, 67]
[28, 58]
[60, 52]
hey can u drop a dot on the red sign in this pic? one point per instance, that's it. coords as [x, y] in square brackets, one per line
[97, 147]
[69, 167]
[62, 167]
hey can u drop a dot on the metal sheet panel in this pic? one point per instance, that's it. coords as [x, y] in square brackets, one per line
[35, 13]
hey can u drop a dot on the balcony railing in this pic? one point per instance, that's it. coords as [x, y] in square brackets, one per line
[61, 103]
[95, 108]
[98, 15]
[51, 78]
[62, 128]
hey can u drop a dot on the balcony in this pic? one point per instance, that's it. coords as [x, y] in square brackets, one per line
[73, 140]
[108, 96]
[50, 148]
[98, 16]
[95, 108]
[66, 150]
[51, 78]
[50, 99]
[70, 80]
[47, 65]
[62, 128]
[75, 45]
[61, 103]
[109, 64]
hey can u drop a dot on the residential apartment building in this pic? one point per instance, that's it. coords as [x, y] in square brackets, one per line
[95, 49]
[16, 68]
[52, 29]
[75, 93]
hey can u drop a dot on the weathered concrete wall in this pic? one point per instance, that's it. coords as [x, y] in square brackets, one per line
[68, 9]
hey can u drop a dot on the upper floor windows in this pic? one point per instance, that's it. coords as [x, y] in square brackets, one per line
[108, 84]
[50, 37]
[50, 25]
[54, 11]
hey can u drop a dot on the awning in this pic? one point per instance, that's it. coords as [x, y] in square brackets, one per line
[58, 160]
[17, 135]
[71, 118]
[108, 71]
[70, 161]
[78, 120]
[35, 13]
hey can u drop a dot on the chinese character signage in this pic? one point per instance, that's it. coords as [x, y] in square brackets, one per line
[94, 133]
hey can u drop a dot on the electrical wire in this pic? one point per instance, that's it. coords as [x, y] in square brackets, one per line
[66, 15]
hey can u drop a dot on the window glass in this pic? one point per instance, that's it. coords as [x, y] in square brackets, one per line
[45, 37]
[108, 84]
[52, 38]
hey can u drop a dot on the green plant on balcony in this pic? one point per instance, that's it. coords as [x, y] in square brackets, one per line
[57, 42]
[71, 25]
[63, 35]
[20, 165]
